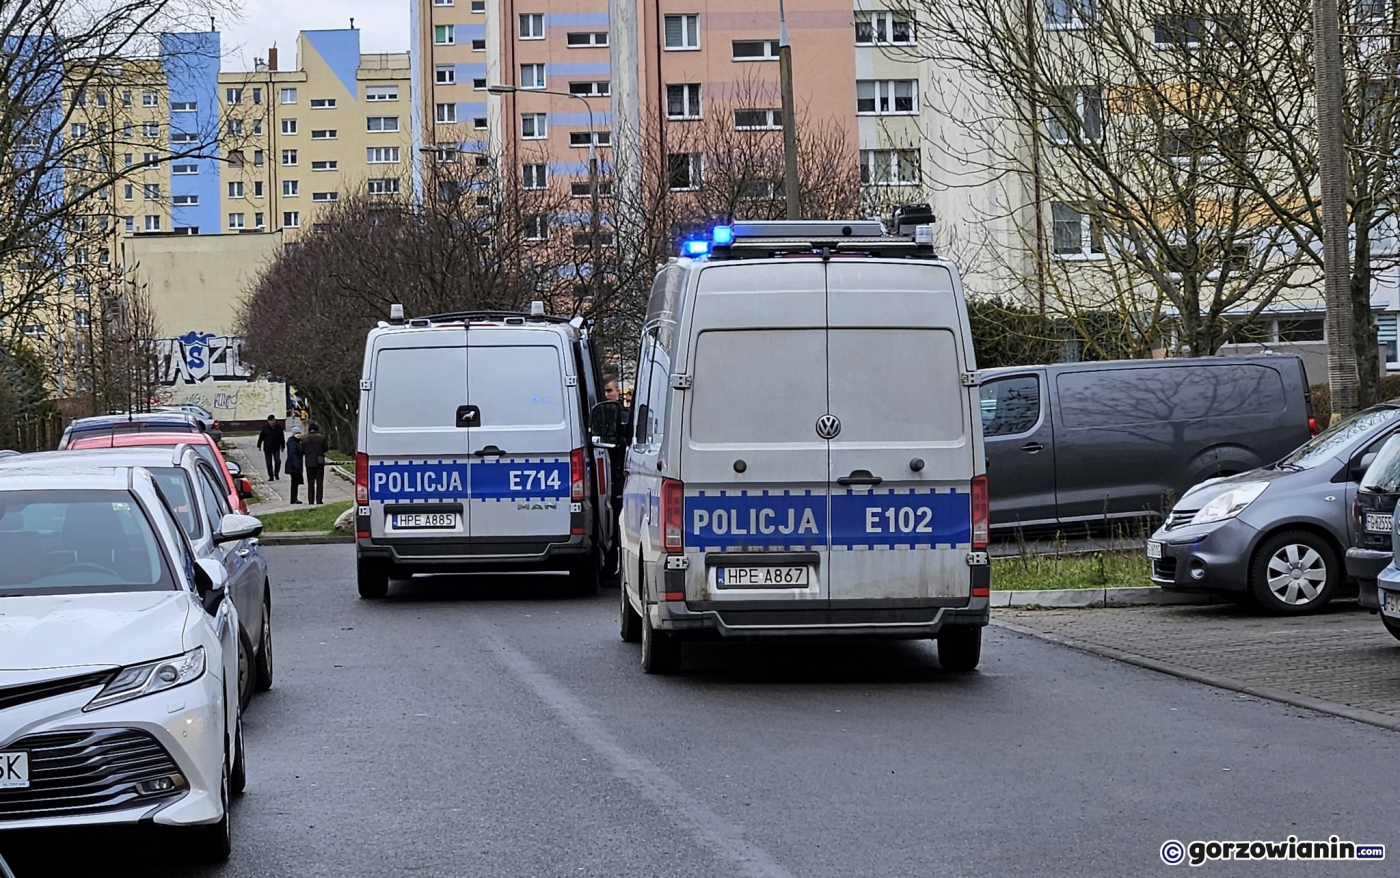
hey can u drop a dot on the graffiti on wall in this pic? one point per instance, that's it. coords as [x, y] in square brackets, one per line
[201, 356]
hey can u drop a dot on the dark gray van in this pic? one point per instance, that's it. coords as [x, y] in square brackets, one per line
[1089, 442]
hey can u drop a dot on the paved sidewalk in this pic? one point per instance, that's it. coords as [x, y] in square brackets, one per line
[276, 496]
[1342, 661]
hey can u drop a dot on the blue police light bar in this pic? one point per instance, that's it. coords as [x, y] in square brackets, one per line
[697, 248]
[723, 235]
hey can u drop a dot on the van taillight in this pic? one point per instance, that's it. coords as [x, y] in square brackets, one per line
[672, 516]
[1312, 426]
[981, 512]
[578, 473]
[361, 478]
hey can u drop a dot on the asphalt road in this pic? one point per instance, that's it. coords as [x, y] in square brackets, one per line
[493, 727]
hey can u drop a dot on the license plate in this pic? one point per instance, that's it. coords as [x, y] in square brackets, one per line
[14, 771]
[426, 521]
[1378, 524]
[1390, 603]
[761, 577]
[1154, 550]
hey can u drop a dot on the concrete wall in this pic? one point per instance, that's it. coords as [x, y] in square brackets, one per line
[198, 282]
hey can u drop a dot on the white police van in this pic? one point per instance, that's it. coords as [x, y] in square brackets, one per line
[807, 452]
[474, 452]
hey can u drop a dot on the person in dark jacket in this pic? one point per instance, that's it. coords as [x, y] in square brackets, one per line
[295, 462]
[272, 440]
[313, 449]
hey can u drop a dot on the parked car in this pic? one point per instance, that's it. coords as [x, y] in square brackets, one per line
[150, 422]
[237, 488]
[120, 660]
[1108, 441]
[205, 417]
[1373, 523]
[195, 491]
[1276, 534]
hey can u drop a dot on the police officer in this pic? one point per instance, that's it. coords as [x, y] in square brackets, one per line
[617, 464]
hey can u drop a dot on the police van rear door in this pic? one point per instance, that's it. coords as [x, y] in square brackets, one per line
[902, 451]
[754, 466]
[521, 439]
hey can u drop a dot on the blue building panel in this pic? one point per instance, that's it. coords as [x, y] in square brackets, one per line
[340, 49]
[468, 72]
[470, 111]
[578, 169]
[191, 65]
[601, 120]
[578, 68]
[576, 19]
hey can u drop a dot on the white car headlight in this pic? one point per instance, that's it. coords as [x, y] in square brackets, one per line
[1230, 503]
[135, 681]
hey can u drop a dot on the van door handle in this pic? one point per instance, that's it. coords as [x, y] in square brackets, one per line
[859, 477]
[1032, 447]
[488, 451]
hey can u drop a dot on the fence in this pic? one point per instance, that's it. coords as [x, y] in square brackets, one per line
[34, 434]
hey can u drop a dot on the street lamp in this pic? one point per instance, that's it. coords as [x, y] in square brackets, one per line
[500, 89]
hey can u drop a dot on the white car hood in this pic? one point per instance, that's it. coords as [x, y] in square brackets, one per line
[44, 632]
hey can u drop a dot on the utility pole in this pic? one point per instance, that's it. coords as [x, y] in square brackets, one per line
[1342, 374]
[794, 194]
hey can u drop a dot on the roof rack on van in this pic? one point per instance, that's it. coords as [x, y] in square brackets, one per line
[770, 238]
[503, 316]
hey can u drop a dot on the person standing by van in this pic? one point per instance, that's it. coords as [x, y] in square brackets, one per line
[313, 449]
[617, 465]
[272, 439]
[296, 459]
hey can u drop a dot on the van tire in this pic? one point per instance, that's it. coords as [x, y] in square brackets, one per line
[960, 647]
[630, 627]
[1313, 554]
[661, 650]
[372, 577]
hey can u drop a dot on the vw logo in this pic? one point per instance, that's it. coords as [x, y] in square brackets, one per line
[828, 426]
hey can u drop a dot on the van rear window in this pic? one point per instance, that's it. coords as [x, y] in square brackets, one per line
[517, 386]
[419, 387]
[1114, 397]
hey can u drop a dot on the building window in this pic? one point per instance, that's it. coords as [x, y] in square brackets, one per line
[257, 189]
[382, 123]
[444, 74]
[446, 152]
[233, 96]
[185, 200]
[152, 191]
[235, 127]
[889, 167]
[131, 224]
[446, 113]
[755, 50]
[258, 158]
[535, 177]
[149, 99]
[884, 97]
[585, 238]
[533, 126]
[579, 189]
[257, 128]
[532, 76]
[682, 32]
[289, 158]
[478, 45]
[883, 29]
[323, 134]
[481, 161]
[126, 99]
[595, 38]
[257, 96]
[479, 7]
[150, 129]
[536, 227]
[291, 219]
[683, 101]
[152, 223]
[327, 165]
[184, 170]
[128, 192]
[184, 137]
[289, 96]
[765, 119]
[235, 221]
[1079, 115]
[382, 155]
[324, 197]
[184, 106]
[323, 103]
[1076, 235]
[389, 186]
[235, 189]
[1066, 14]
[443, 2]
[602, 89]
[291, 188]
[580, 138]
[445, 35]
[479, 123]
[684, 170]
[259, 221]
[320, 228]
[532, 26]
[381, 93]
[289, 127]
[479, 84]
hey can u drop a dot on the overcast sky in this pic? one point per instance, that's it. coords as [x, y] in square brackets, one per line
[383, 26]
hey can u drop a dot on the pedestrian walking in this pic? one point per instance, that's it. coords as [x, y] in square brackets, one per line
[272, 439]
[313, 449]
[295, 461]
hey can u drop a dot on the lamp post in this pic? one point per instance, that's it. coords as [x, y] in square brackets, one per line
[594, 244]
[790, 183]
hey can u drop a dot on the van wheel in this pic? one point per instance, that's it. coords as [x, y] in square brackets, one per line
[1392, 626]
[630, 627]
[960, 647]
[372, 576]
[661, 650]
[1293, 573]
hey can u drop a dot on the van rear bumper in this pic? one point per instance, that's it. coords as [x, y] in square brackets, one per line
[450, 555]
[893, 619]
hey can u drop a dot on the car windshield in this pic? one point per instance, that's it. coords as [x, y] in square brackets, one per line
[174, 484]
[1327, 444]
[74, 542]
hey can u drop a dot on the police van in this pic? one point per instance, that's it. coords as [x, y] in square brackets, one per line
[473, 449]
[806, 456]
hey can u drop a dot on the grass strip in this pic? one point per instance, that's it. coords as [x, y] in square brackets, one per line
[312, 519]
[1030, 572]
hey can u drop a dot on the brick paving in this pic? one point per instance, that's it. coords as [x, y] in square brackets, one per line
[1343, 656]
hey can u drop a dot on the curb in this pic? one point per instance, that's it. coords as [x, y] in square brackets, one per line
[1085, 598]
[294, 538]
[1269, 693]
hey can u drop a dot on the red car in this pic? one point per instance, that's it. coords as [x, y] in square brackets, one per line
[239, 489]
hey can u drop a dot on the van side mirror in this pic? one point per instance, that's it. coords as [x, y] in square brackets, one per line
[1361, 464]
[605, 422]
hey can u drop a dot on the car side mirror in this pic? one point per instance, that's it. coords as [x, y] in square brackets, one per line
[210, 580]
[234, 468]
[245, 488]
[1361, 464]
[236, 527]
[606, 423]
